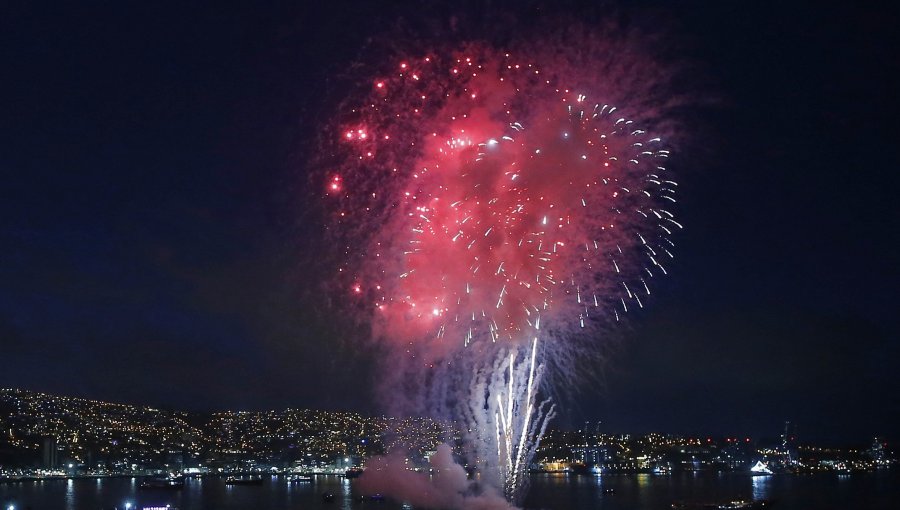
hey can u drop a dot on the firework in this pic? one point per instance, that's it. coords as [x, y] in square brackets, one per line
[486, 198]
[504, 199]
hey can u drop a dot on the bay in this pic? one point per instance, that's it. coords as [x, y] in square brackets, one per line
[826, 491]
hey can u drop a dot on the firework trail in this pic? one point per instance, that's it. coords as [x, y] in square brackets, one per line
[487, 198]
[507, 425]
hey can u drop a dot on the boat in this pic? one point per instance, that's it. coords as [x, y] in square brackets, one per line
[760, 469]
[243, 481]
[327, 497]
[735, 504]
[167, 483]
[353, 472]
[301, 479]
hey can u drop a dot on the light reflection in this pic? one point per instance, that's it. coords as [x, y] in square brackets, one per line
[643, 480]
[195, 494]
[70, 494]
[347, 498]
[761, 487]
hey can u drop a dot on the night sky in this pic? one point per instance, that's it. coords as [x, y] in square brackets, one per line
[155, 215]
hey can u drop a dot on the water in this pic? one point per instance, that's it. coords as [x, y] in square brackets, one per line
[550, 492]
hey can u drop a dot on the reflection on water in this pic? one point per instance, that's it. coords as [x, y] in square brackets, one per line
[825, 491]
[70, 494]
[643, 479]
[346, 494]
[761, 487]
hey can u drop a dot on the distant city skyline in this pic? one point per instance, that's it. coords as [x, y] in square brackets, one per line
[52, 435]
[59, 403]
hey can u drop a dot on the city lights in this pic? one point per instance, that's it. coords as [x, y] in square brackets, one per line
[64, 430]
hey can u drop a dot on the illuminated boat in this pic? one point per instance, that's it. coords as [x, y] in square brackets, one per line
[167, 483]
[243, 481]
[735, 504]
[760, 468]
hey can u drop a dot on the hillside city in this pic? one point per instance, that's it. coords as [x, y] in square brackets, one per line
[56, 436]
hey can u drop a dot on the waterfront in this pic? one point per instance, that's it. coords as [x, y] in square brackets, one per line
[826, 491]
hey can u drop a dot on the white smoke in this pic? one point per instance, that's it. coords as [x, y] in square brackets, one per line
[446, 487]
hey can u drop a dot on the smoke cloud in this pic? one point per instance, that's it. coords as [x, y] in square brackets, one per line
[446, 487]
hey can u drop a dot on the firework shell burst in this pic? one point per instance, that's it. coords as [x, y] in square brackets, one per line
[484, 193]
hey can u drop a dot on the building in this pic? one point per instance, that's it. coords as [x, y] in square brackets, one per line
[50, 453]
[593, 455]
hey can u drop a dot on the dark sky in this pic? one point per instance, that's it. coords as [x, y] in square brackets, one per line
[153, 218]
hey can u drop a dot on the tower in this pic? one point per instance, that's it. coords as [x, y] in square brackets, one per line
[49, 452]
